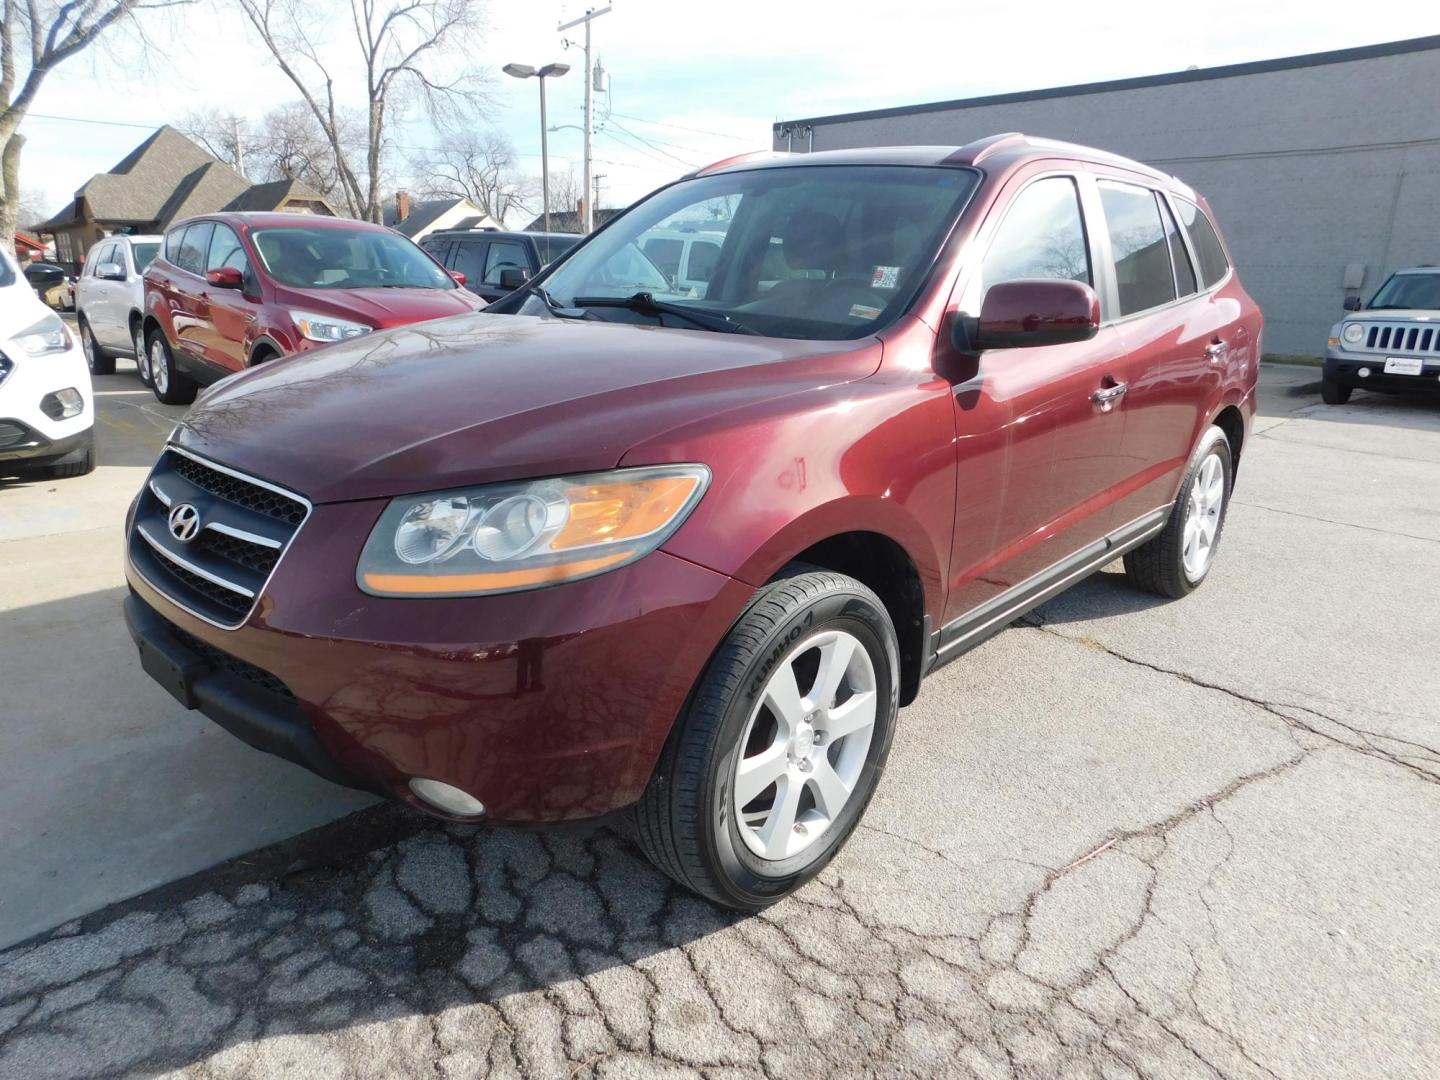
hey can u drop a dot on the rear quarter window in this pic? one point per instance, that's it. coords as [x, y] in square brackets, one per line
[1205, 240]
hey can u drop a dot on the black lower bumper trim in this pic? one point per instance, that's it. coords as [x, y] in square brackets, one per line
[21, 443]
[266, 720]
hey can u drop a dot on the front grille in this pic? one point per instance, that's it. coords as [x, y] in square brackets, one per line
[1402, 338]
[244, 526]
[241, 669]
[251, 496]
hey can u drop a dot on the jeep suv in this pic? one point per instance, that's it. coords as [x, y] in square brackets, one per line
[232, 290]
[605, 549]
[1391, 344]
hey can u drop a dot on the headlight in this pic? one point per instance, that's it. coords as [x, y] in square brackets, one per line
[1352, 333]
[46, 336]
[327, 327]
[509, 537]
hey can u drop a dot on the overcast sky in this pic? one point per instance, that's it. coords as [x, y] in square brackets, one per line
[694, 82]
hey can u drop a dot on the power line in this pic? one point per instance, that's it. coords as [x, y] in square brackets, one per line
[682, 127]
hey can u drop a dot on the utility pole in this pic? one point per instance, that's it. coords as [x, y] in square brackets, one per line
[588, 222]
[239, 146]
[594, 199]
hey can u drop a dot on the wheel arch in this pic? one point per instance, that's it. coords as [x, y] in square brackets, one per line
[264, 348]
[1231, 421]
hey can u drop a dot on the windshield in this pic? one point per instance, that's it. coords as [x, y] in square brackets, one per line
[144, 255]
[1409, 291]
[824, 252]
[333, 258]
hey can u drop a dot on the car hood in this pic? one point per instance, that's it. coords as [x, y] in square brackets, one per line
[481, 398]
[383, 307]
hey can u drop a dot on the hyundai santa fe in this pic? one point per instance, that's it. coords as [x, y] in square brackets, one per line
[619, 546]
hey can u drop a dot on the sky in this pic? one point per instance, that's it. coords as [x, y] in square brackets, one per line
[689, 83]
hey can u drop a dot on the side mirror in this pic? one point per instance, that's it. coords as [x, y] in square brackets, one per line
[1353, 303]
[225, 277]
[110, 271]
[512, 278]
[460, 279]
[1025, 314]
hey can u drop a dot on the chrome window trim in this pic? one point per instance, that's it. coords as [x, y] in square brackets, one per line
[165, 594]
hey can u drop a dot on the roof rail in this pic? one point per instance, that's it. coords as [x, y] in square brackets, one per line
[976, 151]
[724, 163]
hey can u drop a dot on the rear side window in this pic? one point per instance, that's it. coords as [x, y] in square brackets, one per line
[173, 239]
[1138, 246]
[1042, 236]
[193, 246]
[1203, 238]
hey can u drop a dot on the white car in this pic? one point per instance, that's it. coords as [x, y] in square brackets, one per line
[47, 411]
[109, 300]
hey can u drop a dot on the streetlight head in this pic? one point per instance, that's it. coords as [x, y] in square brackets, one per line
[553, 71]
[519, 71]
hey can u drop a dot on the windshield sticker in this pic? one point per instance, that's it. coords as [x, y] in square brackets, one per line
[861, 311]
[885, 277]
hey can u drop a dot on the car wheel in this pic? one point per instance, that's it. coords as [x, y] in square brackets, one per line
[142, 354]
[781, 745]
[81, 467]
[1175, 562]
[1333, 393]
[171, 387]
[96, 359]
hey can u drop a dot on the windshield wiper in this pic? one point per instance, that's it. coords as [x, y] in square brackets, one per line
[556, 308]
[646, 302]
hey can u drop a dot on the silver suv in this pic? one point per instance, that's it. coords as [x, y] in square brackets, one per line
[109, 301]
[1390, 344]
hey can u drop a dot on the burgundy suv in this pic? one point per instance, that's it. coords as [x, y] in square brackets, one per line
[683, 552]
[229, 291]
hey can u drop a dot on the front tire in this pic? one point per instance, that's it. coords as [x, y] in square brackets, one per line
[171, 387]
[1175, 562]
[83, 465]
[1334, 393]
[142, 354]
[777, 754]
[96, 358]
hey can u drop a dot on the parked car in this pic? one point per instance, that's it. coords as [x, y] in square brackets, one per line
[494, 263]
[604, 551]
[1391, 344]
[110, 302]
[685, 256]
[231, 290]
[47, 411]
[52, 284]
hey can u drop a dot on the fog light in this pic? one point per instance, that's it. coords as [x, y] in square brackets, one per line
[448, 799]
[1364, 373]
[62, 404]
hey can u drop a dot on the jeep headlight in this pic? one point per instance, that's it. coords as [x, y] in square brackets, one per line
[513, 536]
[1352, 333]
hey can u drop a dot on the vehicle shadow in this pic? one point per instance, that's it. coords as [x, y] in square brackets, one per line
[1100, 596]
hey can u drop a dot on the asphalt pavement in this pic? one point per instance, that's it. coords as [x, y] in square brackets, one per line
[1125, 838]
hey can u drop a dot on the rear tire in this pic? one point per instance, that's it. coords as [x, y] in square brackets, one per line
[142, 355]
[808, 770]
[1178, 560]
[171, 387]
[97, 359]
[1334, 393]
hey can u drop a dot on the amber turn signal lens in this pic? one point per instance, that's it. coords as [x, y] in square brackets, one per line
[623, 510]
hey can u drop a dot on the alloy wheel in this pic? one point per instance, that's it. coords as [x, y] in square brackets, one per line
[142, 356]
[87, 346]
[1202, 519]
[159, 370]
[803, 751]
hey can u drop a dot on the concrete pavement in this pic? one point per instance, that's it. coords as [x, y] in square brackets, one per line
[1126, 838]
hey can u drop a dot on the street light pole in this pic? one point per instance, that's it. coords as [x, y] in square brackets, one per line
[525, 71]
[588, 224]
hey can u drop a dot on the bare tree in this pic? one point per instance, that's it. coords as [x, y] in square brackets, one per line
[480, 166]
[219, 132]
[37, 36]
[409, 51]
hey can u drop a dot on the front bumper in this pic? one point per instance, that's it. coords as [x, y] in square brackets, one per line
[547, 705]
[22, 443]
[1343, 366]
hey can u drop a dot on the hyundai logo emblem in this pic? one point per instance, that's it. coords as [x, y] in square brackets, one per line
[184, 522]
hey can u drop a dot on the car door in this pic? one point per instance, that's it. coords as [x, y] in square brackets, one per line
[1038, 434]
[501, 255]
[1171, 333]
[468, 257]
[96, 294]
[188, 313]
[230, 314]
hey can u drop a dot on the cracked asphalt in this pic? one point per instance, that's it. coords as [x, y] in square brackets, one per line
[1125, 838]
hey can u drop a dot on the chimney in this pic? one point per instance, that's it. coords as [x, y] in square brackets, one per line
[580, 209]
[402, 206]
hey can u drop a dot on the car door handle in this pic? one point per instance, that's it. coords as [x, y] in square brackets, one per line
[1216, 350]
[1106, 394]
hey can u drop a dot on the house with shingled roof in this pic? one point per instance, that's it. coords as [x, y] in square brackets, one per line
[166, 178]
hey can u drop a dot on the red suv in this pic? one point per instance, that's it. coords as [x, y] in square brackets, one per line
[229, 291]
[684, 551]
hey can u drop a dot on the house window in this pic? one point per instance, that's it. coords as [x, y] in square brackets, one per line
[62, 246]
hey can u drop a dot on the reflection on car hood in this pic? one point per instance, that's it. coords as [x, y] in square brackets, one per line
[491, 397]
